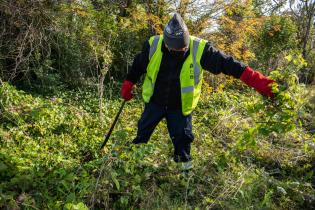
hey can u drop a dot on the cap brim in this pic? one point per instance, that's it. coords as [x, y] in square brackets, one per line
[176, 42]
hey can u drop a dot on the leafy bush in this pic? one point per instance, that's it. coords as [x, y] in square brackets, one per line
[277, 37]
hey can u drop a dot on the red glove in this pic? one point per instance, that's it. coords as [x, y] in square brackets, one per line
[126, 90]
[257, 80]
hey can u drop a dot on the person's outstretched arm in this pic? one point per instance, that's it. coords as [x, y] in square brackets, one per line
[217, 62]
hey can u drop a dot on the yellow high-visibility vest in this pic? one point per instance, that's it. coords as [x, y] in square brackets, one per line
[190, 76]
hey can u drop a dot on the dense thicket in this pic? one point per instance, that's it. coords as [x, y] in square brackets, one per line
[72, 42]
[69, 41]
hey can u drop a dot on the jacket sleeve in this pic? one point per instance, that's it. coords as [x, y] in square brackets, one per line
[217, 62]
[139, 64]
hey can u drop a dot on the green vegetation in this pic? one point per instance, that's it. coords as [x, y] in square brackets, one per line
[248, 152]
[61, 67]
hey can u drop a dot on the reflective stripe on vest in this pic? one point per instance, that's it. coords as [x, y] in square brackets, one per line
[196, 67]
[153, 46]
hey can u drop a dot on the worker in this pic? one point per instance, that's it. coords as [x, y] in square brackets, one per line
[173, 64]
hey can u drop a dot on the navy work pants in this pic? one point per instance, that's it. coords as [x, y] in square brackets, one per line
[179, 128]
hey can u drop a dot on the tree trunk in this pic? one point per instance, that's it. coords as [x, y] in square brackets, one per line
[101, 91]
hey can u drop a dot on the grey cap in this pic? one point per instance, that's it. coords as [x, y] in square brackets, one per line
[176, 34]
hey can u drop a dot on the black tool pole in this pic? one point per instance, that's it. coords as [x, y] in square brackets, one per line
[113, 125]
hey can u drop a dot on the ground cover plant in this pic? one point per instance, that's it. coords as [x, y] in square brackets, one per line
[249, 152]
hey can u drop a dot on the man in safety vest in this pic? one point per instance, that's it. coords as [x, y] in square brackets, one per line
[173, 65]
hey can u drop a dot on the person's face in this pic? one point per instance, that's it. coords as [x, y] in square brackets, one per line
[184, 49]
[179, 53]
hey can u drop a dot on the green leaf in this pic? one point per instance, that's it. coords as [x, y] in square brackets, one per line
[115, 180]
[79, 206]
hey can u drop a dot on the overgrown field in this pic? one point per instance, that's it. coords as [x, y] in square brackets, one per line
[249, 153]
